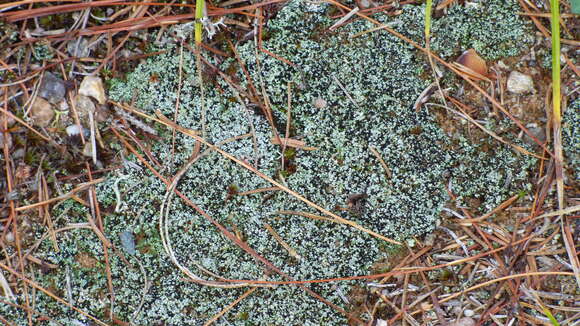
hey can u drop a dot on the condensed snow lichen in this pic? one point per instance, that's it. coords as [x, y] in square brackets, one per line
[377, 161]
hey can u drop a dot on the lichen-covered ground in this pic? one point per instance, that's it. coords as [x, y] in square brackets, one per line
[348, 95]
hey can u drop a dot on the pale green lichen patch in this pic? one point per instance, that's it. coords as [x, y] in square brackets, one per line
[489, 27]
[571, 138]
[369, 85]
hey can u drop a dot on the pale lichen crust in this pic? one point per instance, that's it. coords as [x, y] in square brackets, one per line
[571, 139]
[348, 98]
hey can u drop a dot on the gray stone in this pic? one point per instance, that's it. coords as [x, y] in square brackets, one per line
[52, 88]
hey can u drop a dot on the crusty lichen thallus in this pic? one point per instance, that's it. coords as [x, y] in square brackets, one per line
[423, 160]
[336, 218]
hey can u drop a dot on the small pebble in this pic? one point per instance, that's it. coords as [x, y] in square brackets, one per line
[537, 132]
[519, 83]
[92, 86]
[364, 4]
[41, 112]
[52, 88]
[78, 48]
[5, 138]
[10, 237]
[128, 242]
[465, 321]
[381, 322]
[320, 103]
[468, 313]
[73, 130]
[6, 119]
[18, 153]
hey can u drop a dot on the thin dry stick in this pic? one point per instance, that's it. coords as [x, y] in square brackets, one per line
[336, 218]
[255, 191]
[194, 134]
[146, 286]
[466, 116]
[289, 142]
[500, 279]
[404, 298]
[25, 124]
[344, 19]
[284, 244]
[12, 207]
[98, 232]
[46, 213]
[502, 206]
[94, 204]
[80, 187]
[345, 91]
[304, 214]
[383, 164]
[404, 270]
[288, 117]
[73, 106]
[266, 107]
[567, 210]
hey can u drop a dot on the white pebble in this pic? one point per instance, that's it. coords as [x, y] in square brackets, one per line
[465, 321]
[73, 130]
[519, 83]
[92, 86]
[381, 322]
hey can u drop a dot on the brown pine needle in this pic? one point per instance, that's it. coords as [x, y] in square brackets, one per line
[255, 191]
[383, 164]
[80, 187]
[281, 241]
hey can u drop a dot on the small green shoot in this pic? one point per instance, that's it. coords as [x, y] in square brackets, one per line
[199, 5]
[550, 316]
[555, 23]
[428, 7]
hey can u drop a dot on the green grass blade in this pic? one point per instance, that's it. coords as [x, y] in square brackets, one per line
[428, 7]
[551, 317]
[555, 23]
[199, 5]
